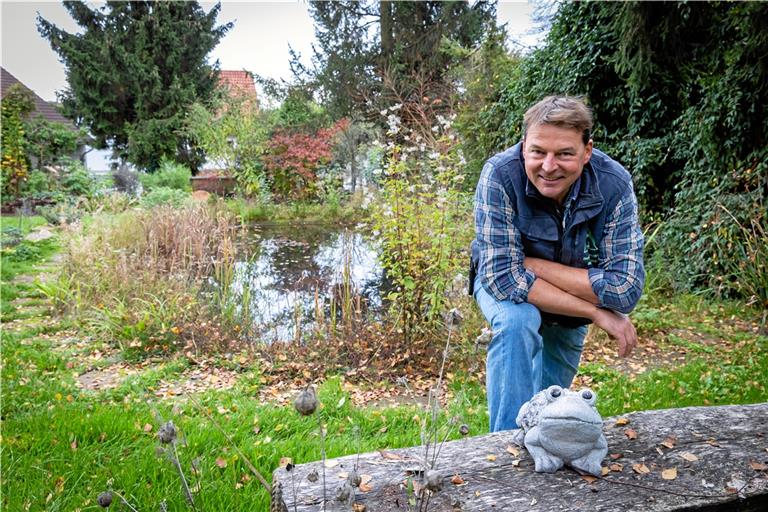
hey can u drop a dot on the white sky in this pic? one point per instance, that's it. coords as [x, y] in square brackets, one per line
[258, 41]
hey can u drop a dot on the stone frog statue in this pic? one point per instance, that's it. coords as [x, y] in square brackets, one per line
[558, 427]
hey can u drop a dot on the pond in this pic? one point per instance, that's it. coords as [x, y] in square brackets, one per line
[292, 279]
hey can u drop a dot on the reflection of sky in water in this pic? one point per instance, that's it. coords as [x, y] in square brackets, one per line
[287, 267]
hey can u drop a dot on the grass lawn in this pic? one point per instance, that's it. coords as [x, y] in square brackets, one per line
[63, 443]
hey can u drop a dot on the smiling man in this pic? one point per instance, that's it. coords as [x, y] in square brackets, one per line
[557, 246]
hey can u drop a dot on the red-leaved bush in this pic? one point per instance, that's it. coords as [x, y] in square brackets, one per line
[292, 160]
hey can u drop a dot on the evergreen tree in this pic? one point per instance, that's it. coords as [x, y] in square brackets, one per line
[372, 54]
[133, 72]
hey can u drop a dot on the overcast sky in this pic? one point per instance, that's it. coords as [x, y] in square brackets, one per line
[258, 42]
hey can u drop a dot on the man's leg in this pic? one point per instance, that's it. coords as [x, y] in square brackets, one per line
[561, 354]
[512, 376]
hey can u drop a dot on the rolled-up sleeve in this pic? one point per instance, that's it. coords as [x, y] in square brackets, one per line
[500, 266]
[618, 280]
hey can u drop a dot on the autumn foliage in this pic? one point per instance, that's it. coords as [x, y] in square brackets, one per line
[292, 160]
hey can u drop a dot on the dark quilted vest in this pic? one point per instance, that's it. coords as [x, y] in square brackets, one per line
[602, 183]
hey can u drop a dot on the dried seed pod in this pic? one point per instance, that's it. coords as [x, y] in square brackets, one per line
[312, 476]
[105, 499]
[306, 402]
[432, 480]
[464, 429]
[354, 478]
[167, 433]
[344, 493]
[453, 318]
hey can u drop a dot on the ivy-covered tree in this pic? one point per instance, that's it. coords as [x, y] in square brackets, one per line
[134, 70]
[16, 105]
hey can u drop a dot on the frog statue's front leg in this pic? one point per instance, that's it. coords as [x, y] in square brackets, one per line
[590, 463]
[544, 461]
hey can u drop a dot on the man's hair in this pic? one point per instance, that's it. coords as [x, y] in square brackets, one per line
[562, 111]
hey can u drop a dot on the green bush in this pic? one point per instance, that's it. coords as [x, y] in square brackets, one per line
[169, 175]
[77, 181]
[164, 195]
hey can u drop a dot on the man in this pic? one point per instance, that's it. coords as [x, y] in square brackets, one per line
[557, 246]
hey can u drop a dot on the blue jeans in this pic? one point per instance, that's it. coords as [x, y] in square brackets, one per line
[524, 356]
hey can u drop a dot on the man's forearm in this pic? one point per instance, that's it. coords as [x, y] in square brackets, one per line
[574, 281]
[551, 299]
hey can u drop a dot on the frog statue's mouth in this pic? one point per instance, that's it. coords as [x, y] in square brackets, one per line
[571, 421]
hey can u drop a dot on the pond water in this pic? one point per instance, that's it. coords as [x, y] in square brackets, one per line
[289, 279]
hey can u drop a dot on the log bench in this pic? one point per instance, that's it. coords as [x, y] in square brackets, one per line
[695, 458]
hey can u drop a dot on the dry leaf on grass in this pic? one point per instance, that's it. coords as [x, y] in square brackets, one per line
[222, 463]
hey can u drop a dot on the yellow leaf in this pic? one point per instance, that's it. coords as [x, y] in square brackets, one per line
[689, 456]
[621, 422]
[669, 474]
[641, 469]
[604, 471]
[490, 458]
[57, 396]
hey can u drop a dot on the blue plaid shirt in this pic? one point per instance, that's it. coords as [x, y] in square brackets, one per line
[615, 262]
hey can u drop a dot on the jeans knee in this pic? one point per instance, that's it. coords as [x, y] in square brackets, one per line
[520, 322]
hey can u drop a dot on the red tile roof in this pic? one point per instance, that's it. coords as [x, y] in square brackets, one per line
[238, 82]
[43, 108]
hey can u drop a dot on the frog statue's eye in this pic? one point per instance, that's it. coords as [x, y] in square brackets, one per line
[588, 396]
[555, 391]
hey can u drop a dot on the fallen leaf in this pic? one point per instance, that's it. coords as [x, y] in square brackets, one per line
[365, 487]
[589, 478]
[669, 474]
[358, 507]
[641, 469]
[621, 422]
[457, 480]
[689, 456]
[669, 442]
[631, 434]
[712, 442]
[616, 467]
[516, 462]
[512, 450]
[758, 466]
[284, 461]
[222, 463]
[490, 458]
[390, 456]
[616, 456]
[604, 471]
[73, 445]
[147, 427]
[331, 463]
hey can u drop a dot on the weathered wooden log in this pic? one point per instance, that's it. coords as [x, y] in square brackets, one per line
[695, 458]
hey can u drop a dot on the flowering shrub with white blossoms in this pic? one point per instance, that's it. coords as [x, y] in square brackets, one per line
[423, 220]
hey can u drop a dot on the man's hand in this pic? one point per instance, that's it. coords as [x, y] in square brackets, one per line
[619, 327]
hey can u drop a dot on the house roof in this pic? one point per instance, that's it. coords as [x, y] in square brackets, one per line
[43, 108]
[238, 82]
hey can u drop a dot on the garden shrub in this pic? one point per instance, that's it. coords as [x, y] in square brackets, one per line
[77, 181]
[170, 175]
[164, 195]
[422, 221]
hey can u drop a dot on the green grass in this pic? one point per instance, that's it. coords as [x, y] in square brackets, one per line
[298, 211]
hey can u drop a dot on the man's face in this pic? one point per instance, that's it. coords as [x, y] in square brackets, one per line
[554, 159]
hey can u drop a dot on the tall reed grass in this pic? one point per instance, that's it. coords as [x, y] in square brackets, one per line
[134, 278]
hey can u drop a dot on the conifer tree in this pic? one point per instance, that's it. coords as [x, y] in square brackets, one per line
[134, 70]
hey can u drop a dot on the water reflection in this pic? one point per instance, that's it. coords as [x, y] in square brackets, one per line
[288, 277]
